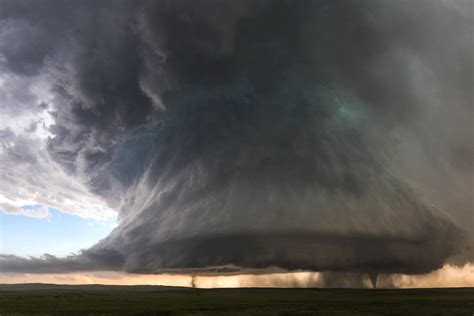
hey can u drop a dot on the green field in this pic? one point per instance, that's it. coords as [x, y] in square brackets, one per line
[155, 300]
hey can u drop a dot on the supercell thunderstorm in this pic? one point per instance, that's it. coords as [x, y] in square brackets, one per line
[234, 135]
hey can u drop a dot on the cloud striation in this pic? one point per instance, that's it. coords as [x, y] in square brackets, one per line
[233, 135]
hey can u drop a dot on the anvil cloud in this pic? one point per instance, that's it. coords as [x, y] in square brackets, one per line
[234, 135]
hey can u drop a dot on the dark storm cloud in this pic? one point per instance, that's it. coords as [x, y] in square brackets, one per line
[52, 264]
[260, 133]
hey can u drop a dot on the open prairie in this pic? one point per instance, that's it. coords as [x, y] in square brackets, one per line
[157, 300]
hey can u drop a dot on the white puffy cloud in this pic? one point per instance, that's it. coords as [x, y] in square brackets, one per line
[28, 176]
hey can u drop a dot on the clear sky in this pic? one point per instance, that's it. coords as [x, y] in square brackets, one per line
[57, 233]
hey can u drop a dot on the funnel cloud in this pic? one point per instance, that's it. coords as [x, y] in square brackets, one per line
[239, 135]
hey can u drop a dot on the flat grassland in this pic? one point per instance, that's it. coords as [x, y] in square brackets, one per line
[43, 299]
